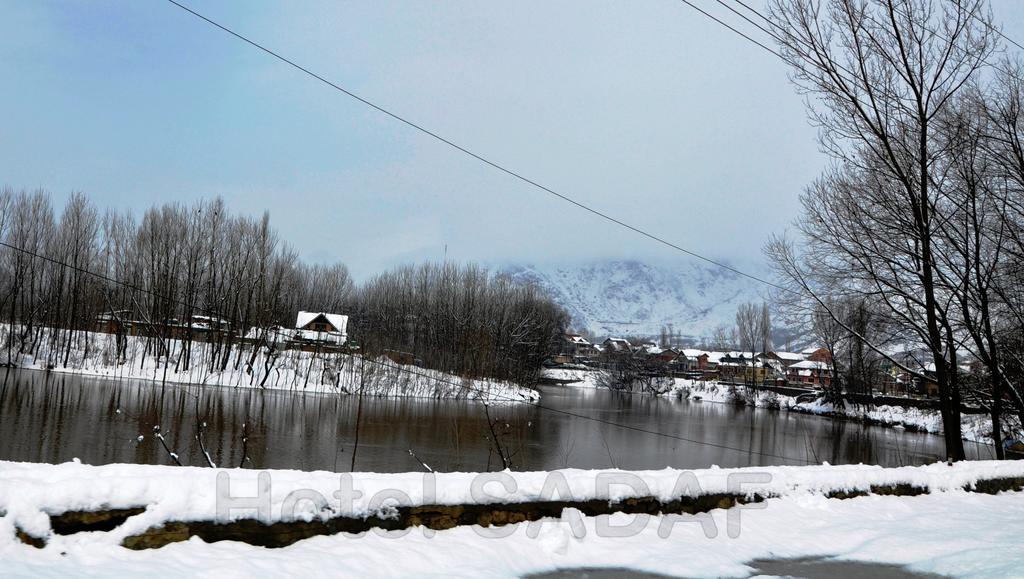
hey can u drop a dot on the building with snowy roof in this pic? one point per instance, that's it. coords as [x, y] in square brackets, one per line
[321, 327]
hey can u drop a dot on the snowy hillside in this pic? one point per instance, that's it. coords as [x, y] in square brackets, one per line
[635, 298]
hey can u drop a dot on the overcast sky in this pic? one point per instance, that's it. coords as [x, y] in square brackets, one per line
[644, 109]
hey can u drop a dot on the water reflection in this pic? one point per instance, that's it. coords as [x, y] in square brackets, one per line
[54, 418]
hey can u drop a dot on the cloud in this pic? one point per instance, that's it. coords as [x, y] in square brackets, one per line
[649, 112]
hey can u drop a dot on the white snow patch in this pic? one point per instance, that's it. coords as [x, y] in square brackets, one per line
[913, 531]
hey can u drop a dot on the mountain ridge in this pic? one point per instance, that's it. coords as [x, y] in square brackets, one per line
[636, 298]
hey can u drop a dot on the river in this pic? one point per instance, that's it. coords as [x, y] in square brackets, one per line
[50, 417]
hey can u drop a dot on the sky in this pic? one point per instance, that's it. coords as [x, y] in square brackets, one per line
[645, 110]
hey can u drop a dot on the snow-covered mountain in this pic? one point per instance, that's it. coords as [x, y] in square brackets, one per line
[637, 298]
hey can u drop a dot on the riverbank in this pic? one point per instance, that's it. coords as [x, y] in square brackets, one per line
[896, 516]
[97, 354]
[976, 427]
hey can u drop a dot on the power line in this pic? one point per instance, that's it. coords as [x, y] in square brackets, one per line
[996, 29]
[486, 160]
[972, 14]
[723, 23]
[534, 183]
[747, 18]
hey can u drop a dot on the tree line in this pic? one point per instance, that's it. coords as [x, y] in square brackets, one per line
[461, 319]
[182, 270]
[909, 246]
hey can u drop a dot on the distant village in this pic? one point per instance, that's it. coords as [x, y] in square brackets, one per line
[811, 368]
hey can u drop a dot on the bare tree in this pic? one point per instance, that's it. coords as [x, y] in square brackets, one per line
[879, 74]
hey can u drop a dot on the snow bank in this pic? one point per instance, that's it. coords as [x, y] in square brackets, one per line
[95, 354]
[190, 493]
[802, 522]
[728, 394]
[572, 377]
[976, 427]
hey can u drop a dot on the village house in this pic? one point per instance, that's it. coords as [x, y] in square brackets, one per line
[199, 327]
[115, 322]
[785, 359]
[738, 357]
[895, 379]
[669, 361]
[810, 373]
[616, 346]
[746, 371]
[701, 361]
[647, 348]
[321, 328]
[575, 349]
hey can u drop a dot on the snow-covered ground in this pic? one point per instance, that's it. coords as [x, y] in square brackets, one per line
[976, 427]
[678, 388]
[727, 394]
[571, 377]
[800, 522]
[94, 354]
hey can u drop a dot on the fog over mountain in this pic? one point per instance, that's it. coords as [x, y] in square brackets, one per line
[626, 297]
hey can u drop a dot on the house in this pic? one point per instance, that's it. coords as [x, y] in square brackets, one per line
[810, 373]
[668, 360]
[713, 359]
[740, 358]
[576, 346]
[751, 366]
[616, 346]
[115, 322]
[321, 328]
[703, 359]
[647, 348]
[742, 369]
[123, 322]
[786, 359]
[209, 324]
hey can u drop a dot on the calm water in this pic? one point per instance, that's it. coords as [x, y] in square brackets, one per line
[54, 418]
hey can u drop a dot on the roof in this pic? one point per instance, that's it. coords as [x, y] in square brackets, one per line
[339, 321]
[810, 365]
[619, 343]
[114, 315]
[789, 356]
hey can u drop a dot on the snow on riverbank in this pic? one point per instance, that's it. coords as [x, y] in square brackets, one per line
[802, 522]
[727, 394]
[574, 377]
[95, 354]
[976, 427]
